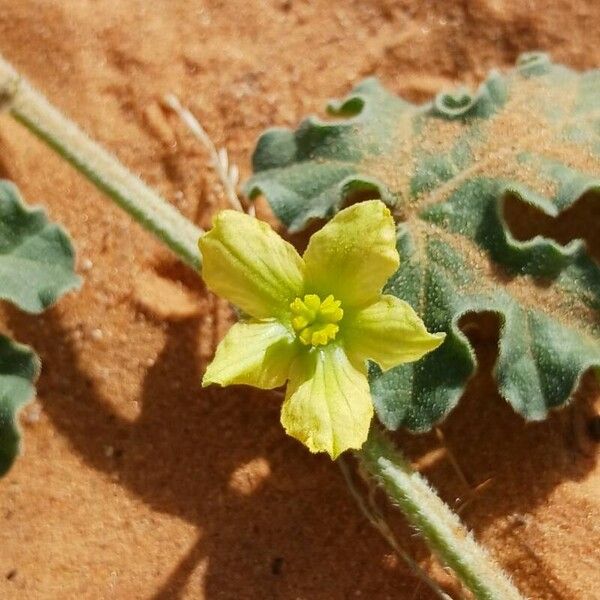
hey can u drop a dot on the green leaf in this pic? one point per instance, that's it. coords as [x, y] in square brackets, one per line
[19, 368]
[36, 268]
[36, 256]
[447, 168]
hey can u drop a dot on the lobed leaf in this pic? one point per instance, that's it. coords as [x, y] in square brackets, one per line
[36, 256]
[19, 368]
[447, 167]
[36, 267]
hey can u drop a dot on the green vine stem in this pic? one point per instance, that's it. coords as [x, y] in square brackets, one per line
[367, 505]
[444, 533]
[421, 505]
[30, 108]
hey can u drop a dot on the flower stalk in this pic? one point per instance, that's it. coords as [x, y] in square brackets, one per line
[440, 527]
[145, 205]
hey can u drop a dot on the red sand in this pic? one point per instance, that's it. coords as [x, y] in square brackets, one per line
[135, 483]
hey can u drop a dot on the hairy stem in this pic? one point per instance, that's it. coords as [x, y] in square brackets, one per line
[148, 208]
[374, 516]
[441, 528]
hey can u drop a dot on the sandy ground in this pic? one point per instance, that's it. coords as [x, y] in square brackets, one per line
[135, 483]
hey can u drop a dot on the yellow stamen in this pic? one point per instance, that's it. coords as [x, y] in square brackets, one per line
[315, 320]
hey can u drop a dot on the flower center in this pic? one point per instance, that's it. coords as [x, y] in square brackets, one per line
[315, 320]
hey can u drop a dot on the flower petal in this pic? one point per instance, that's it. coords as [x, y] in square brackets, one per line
[245, 261]
[389, 332]
[328, 404]
[258, 354]
[353, 255]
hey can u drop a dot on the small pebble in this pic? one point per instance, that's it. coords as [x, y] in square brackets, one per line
[86, 264]
[32, 414]
[247, 478]
[96, 334]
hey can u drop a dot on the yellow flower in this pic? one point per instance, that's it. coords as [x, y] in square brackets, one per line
[313, 321]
